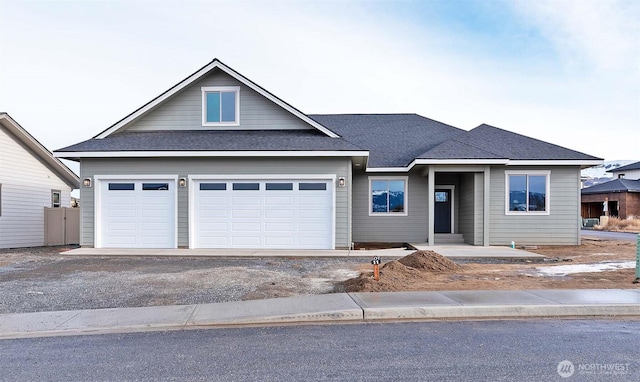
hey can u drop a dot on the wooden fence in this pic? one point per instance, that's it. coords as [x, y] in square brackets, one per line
[61, 226]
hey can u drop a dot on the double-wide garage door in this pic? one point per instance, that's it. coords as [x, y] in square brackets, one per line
[223, 213]
[279, 214]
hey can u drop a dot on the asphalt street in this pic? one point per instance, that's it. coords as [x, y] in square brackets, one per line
[609, 235]
[526, 350]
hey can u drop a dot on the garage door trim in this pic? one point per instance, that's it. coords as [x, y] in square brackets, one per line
[262, 177]
[97, 201]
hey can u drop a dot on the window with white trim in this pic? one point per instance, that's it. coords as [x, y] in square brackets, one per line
[56, 199]
[527, 192]
[388, 196]
[220, 105]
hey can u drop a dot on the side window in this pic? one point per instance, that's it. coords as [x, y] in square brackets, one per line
[55, 199]
[527, 192]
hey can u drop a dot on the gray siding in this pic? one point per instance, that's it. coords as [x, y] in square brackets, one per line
[557, 228]
[184, 110]
[184, 167]
[479, 209]
[466, 216]
[410, 228]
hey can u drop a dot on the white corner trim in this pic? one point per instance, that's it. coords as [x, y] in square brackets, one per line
[547, 210]
[406, 196]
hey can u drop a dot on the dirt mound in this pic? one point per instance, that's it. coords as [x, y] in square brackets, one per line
[396, 275]
[428, 261]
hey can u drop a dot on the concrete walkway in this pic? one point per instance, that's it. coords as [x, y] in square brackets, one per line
[336, 308]
[451, 251]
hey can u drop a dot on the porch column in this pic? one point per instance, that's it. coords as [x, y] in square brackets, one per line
[430, 190]
[486, 204]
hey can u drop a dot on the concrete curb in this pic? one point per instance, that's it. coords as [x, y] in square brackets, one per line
[329, 308]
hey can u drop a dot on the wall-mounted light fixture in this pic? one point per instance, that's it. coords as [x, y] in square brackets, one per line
[182, 182]
[86, 182]
[341, 182]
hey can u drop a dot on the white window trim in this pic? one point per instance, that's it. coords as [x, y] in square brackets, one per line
[406, 196]
[547, 173]
[208, 89]
[53, 203]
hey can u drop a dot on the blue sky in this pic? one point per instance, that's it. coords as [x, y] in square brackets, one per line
[567, 72]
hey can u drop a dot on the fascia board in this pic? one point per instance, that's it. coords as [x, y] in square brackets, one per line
[149, 154]
[551, 162]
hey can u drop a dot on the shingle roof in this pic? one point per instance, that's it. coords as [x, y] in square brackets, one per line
[616, 185]
[630, 166]
[486, 141]
[207, 140]
[393, 140]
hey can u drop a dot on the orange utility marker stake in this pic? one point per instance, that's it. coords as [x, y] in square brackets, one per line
[376, 268]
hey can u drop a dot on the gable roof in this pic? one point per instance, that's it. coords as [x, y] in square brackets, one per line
[616, 185]
[630, 166]
[39, 151]
[213, 65]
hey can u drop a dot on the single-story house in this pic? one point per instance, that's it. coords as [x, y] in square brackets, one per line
[621, 195]
[217, 161]
[30, 180]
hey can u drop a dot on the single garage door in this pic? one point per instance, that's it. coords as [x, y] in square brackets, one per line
[282, 214]
[137, 213]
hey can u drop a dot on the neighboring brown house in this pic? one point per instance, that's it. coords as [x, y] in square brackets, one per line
[623, 196]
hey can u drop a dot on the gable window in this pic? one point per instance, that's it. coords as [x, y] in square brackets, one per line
[220, 105]
[527, 192]
[388, 196]
[55, 199]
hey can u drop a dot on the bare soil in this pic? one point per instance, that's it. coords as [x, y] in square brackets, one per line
[46, 279]
[428, 271]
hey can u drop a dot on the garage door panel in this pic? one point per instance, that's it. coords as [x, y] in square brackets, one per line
[278, 200]
[239, 227]
[279, 213]
[313, 214]
[282, 242]
[279, 227]
[246, 241]
[246, 200]
[243, 213]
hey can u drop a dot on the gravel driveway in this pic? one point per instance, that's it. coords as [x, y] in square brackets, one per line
[44, 279]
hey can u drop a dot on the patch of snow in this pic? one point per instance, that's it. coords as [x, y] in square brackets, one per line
[563, 270]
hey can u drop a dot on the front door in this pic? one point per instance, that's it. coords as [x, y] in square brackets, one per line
[442, 211]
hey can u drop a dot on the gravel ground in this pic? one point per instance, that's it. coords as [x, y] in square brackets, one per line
[44, 279]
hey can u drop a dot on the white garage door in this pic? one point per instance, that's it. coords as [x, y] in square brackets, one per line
[282, 214]
[137, 213]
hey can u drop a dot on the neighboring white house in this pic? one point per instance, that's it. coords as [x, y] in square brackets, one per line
[30, 179]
